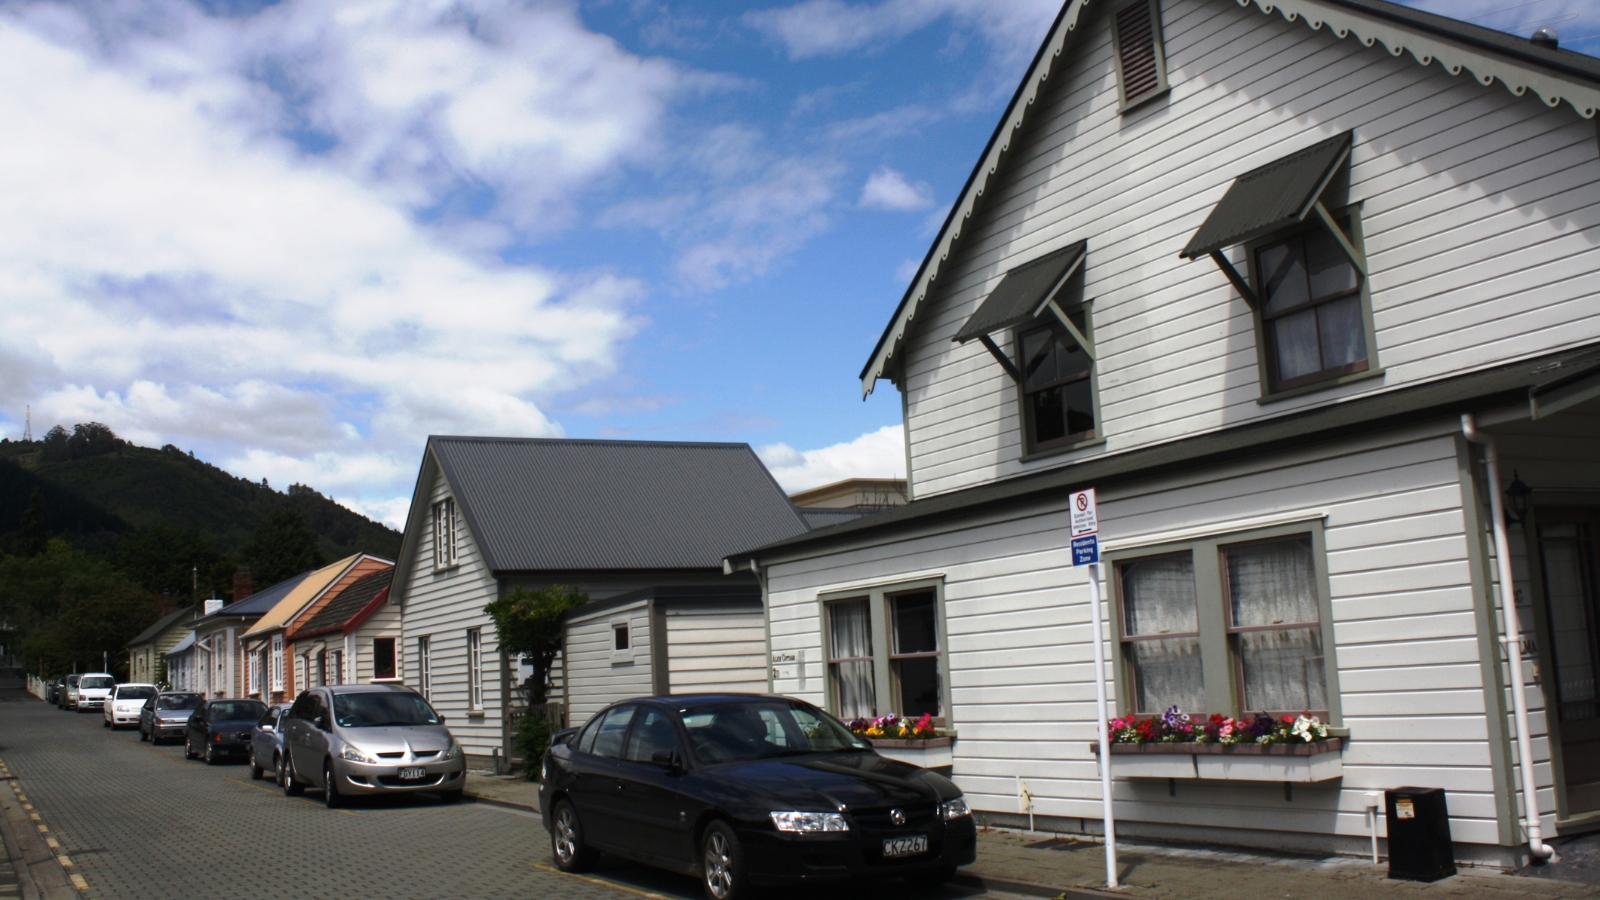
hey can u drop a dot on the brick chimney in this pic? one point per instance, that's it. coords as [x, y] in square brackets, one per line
[164, 603]
[241, 585]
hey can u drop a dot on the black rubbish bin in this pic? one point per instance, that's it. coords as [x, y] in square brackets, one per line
[1419, 834]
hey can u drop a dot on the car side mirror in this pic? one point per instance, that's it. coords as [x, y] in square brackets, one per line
[321, 722]
[667, 759]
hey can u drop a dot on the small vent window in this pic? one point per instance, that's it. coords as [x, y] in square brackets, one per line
[1141, 63]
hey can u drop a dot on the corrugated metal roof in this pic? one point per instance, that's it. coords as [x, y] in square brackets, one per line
[306, 591]
[822, 517]
[182, 645]
[732, 595]
[259, 602]
[549, 504]
[1022, 292]
[1270, 197]
[350, 601]
[1496, 387]
[162, 624]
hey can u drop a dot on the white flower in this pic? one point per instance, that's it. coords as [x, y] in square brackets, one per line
[1308, 729]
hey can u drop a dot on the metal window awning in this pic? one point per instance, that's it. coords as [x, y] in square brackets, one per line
[1025, 293]
[1278, 195]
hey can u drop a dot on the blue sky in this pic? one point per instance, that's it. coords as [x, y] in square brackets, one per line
[298, 237]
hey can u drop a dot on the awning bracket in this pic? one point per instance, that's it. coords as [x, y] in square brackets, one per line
[1357, 258]
[1000, 356]
[1065, 322]
[1239, 284]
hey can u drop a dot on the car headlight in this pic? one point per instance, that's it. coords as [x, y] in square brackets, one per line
[951, 810]
[452, 751]
[355, 754]
[809, 822]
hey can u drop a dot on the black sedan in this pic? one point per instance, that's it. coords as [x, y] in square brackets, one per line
[222, 728]
[742, 791]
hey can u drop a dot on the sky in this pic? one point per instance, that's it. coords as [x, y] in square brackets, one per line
[297, 237]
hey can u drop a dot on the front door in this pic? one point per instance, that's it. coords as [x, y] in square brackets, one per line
[1567, 547]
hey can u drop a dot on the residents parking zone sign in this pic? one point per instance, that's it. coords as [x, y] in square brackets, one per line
[1085, 528]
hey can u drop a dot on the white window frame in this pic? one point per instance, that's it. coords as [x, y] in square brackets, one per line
[879, 599]
[626, 656]
[397, 669]
[475, 670]
[424, 667]
[445, 535]
[277, 662]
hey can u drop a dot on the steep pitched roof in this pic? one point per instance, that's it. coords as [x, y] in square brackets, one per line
[161, 625]
[257, 603]
[347, 604]
[305, 592]
[547, 504]
[1517, 63]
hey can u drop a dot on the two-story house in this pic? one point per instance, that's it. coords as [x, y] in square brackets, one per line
[1278, 280]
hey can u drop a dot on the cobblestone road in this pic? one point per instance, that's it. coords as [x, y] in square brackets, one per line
[138, 821]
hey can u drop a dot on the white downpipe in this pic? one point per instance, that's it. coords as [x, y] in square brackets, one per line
[1512, 640]
[1374, 800]
[1110, 824]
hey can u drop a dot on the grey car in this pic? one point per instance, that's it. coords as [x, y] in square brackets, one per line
[266, 742]
[166, 715]
[67, 697]
[368, 739]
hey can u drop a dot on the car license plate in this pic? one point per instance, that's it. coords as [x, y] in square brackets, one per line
[413, 774]
[905, 846]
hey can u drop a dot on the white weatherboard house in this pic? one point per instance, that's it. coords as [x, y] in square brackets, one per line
[1244, 268]
[490, 515]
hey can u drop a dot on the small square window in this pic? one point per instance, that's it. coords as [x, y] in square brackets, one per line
[1141, 58]
[383, 661]
[619, 637]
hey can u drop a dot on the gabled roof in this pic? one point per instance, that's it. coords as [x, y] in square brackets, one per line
[162, 624]
[255, 604]
[1517, 63]
[350, 601]
[535, 504]
[306, 591]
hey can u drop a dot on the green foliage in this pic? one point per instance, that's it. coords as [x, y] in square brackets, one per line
[71, 607]
[160, 559]
[86, 440]
[283, 546]
[531, 740]
[529, 623]
[31, 536]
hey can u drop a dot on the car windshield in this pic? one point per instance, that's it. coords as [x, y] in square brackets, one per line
[758, 729]
[72, 680]
[135, 693]
[178, 701]
[96, 681]
[376, 710]
[234, 710]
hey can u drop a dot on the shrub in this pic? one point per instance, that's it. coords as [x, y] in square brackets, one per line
[531, 741]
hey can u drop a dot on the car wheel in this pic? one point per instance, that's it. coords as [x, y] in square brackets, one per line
[931, 880]
[331, 798]
[105, 723]
[188, 748]
[211, 755]
[143, 735]
[722, 868]
[291, 787]
[255, 770]
[566, 840]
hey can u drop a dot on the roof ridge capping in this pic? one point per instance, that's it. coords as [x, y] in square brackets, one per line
[613, 442]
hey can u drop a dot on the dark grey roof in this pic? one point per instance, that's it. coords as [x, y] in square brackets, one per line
[822, 517]
[1021, 294]
[1270, 197]
[1521, 382]
[736, 594]
[343, 607]
[544, 504]
[162, 624]
[1565, 62]
[259, 603]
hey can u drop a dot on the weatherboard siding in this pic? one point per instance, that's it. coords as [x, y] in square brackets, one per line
[1021, 691]
[384, 622]
[1477, 207]
[716, 649]
[596, 677]
[442, 606]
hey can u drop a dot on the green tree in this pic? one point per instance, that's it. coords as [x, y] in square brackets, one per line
[32, 537]
[70, 607]
[529, 624]
[160, 559]
[283, 546]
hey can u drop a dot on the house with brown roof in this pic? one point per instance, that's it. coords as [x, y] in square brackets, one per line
[272, 670]
[352, 636]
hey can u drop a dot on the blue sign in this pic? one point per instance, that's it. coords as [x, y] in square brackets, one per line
[1086, 550]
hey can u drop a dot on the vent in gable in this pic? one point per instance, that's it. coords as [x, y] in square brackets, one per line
[1141, 66]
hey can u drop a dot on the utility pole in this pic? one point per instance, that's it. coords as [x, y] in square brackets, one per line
[197, 584]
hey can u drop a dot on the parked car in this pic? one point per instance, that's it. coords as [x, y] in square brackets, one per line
[53, 690]
[94, 688]
[125, 702]
[67, 698]
[744, 790]
[167, 715]
[368, 739]
[221, 728]
[266, 742]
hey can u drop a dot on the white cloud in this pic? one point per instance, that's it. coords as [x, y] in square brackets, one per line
[888, 189]
[831, 27]
[876, 454]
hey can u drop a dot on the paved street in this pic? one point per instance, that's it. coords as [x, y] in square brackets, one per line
[141, 821]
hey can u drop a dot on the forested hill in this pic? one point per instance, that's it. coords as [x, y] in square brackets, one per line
[96, 490]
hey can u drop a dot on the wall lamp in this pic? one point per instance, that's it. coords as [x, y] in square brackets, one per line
[1517, 497]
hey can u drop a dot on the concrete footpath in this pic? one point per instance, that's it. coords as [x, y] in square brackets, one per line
[1058, 866]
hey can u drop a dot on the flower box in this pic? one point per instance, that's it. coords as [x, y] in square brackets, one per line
[1304, 761]
[936, 753]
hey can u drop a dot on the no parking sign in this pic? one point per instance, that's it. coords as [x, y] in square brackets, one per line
[1085, 528]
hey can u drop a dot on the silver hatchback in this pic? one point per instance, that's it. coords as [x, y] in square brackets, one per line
[367, 739]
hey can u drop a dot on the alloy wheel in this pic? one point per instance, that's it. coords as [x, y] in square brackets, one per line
[719, 865]
[566, 835]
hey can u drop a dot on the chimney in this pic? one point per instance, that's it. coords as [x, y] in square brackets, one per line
[212, 605]
[164, 603]
[241, 585]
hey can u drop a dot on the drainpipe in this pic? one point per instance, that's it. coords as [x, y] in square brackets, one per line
[1512, 640]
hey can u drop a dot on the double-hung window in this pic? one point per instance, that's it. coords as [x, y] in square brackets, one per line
[1057, 386]
[1236, 624]
[885, 653]
[1314, 319]
[444, 533]
[277, 662]
[424, 668]
[475, 669]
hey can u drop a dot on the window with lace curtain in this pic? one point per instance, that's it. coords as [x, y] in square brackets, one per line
[1234, 624]
[851, 676]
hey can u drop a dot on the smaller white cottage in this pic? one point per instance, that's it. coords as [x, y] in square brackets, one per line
[665, 640]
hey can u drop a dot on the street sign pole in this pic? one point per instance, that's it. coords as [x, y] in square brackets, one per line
[1085, 529]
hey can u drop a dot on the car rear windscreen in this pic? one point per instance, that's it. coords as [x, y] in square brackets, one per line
[135, 693]
[234, 710]
[96, 681]
[178, 701]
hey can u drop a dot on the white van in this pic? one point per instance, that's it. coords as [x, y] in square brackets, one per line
[94, 688]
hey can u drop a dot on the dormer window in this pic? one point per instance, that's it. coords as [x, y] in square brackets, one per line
[1141, 59]
[444, 534]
